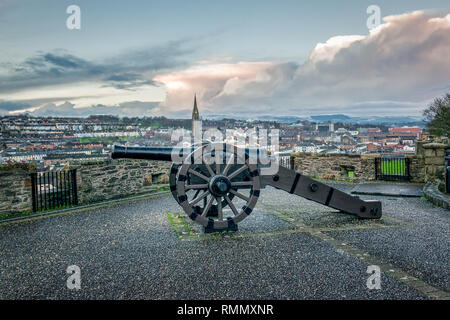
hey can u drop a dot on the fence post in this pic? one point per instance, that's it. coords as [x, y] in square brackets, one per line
[40, 191]
[407, 168]
[376, 168]
[74, 186]
[33, 177]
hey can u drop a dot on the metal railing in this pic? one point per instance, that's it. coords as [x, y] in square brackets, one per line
[447, 169]
[54, 189]
[392, 168]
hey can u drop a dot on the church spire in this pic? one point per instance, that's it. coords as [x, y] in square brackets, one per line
[195, 114]
[196, 124]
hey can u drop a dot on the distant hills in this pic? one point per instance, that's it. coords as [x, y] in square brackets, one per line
[332, 118]
[366, 120]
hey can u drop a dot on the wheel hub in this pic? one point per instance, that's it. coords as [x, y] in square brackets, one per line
[219, 186]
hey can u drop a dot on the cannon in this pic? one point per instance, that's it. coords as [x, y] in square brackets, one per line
[218, 184]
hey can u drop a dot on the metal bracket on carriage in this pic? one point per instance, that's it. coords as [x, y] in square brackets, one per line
[218, 185]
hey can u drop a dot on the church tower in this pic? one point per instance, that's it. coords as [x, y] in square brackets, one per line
[195, 117]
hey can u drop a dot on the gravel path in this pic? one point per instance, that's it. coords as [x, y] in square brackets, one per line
[131, 251]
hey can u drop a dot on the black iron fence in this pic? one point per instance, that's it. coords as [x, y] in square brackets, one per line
[54, 189]
[447, 169]
[392, 168]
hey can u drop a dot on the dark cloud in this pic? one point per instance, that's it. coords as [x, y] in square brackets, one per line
[127, 81]
[7, 106]
[53, 66]
[127, 77]
[127, 70]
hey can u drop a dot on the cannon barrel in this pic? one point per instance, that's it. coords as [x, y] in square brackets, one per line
[147, 153]
[158, 153]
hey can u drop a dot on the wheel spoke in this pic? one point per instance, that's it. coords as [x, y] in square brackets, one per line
[208, 206]
[229, 164]
[240, 195]
[196, 193]
[208, 167]
[238, 171]
[241, 183]
[198, 174]
[203, 195]
[196, 186]
[217, 168]
[232, 206]
[219, 208]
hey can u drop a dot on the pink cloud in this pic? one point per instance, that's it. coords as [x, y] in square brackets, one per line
[210, 81]
[404, 59]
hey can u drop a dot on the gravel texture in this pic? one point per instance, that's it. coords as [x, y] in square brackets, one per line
[131, 251]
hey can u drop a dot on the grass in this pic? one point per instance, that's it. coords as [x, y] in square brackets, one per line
[163, 188]
[28, 212]
[336, 179]
[392, 167]
[14, 215]
[182, 229]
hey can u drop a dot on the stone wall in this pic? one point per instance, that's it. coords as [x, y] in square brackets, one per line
[416, 169]
[432, 193]
[15, 188]
[97, 181]
[431, 163]
[427, 165]
[335, 166]
[113, 179]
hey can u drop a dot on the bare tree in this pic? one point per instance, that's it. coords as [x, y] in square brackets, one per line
[437, 116]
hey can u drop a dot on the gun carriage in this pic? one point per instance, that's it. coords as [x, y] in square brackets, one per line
[218, 185]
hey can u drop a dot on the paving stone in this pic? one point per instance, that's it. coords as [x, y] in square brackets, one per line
[389, 189]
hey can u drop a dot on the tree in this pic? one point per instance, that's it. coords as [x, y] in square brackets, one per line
[437, 116]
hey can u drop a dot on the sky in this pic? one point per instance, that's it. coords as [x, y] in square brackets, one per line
[241, 58]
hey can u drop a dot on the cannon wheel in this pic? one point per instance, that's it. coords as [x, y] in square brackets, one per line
[217, 187]
[173, 189]
[173, 180]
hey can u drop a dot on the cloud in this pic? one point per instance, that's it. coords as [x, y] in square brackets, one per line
[128, 70]
[403, 61]
[58, 76]
[328, 50]
[8, 106]
[405, 58]
[127, 80]
[210, 81]
[130, 109]
[395, 69]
